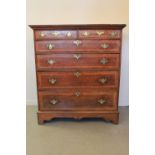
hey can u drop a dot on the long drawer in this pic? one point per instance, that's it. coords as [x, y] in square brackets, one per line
[77, 99]
[47, 80]
[77, 61]
[70, 46]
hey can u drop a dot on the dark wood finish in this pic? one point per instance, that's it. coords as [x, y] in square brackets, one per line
[99, 34]
[48, 35]
[88, 99]
[79, 27]
[70, 79]
[70, 61]
[112, 116]
[77, 62]
[61, 46]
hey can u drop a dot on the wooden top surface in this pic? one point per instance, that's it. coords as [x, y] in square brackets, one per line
[78, 27]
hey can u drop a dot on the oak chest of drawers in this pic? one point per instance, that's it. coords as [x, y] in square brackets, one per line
[78, 70]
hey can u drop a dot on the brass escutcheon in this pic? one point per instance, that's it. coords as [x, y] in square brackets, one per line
[77, 42]
[102, 101]
[104, 45]
[100, 32]
[50, 46]
[56, 33]
[52, 81]
[77, 56]
[51, 61]
[103, 80]
[53, 101]
[77, 74]
[69, 34]
[77, 93]
[85, 33]
[104, 61]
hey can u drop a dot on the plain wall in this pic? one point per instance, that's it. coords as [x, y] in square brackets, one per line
[43, 12]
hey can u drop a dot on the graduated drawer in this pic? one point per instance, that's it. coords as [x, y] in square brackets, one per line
[78, 99]
[47, 80]
[77, 61]
[51, 34]
[70, 46]
[99, 34]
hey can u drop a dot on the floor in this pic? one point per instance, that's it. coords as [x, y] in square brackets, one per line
[72, 137]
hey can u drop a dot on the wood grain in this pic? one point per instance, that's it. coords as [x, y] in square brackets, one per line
[68, 46]
[56, 35]
[88, 99]
[85, 79]
[77, 61]
[70, 86]
[79, 27]
[99, 34]
[112, 116]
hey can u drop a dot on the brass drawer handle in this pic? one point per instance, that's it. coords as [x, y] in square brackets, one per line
[77, 42]
[55, 33]
[104, 61]
[77, 74]
[52, 81]
[69, 34]
[100, 33]
[51, 61]
[77, 56]
[102, 101]
[103, 80]
[50, 46]
[53, 101]
[77, 93]
[113, 34]
[41, 34]
[85, 33]
[104, 45]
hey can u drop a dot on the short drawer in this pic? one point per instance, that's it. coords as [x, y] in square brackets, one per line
[99, 34]
[77, 61]
[78, 99]
[82, 46]
[62, 34]
[47, 80]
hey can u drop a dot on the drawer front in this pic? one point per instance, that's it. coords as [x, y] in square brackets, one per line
[45, 35]
[77, 61]
[70, 46]
[99, 34]
[47, 80]
[78, 99]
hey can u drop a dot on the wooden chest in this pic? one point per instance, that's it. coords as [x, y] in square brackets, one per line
[78, 70]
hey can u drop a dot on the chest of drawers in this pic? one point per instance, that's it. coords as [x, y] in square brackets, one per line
[78, 71]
